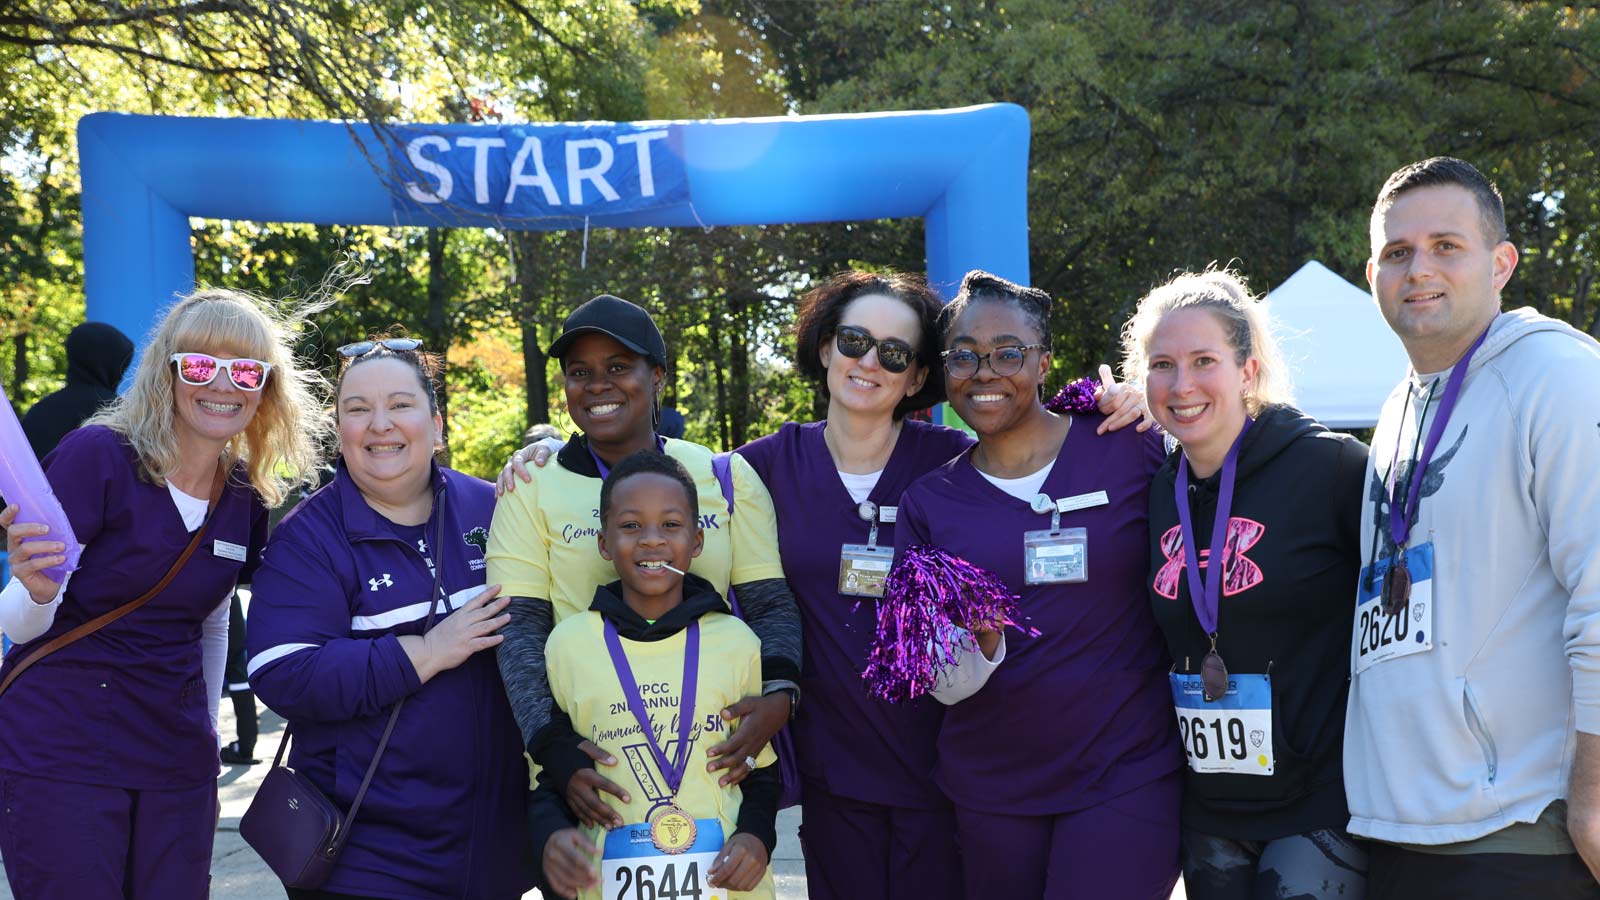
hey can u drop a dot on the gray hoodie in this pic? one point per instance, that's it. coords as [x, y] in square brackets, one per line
[1477, 734]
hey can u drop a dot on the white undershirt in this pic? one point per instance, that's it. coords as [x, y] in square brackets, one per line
[22, 620]
[1025, 488]
[860, 486]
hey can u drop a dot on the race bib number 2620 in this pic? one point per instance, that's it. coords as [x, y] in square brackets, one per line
[1379, 636]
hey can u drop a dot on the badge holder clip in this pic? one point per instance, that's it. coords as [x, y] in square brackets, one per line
[863, 568]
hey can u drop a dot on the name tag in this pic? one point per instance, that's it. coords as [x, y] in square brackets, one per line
[1056, 556]
[887, 514]
[863, 569]
[1380, 637]
[1233, 734]
[228, 551]
[1082, 501]
[631, 866]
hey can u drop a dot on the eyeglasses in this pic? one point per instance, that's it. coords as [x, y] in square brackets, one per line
[1003, 361]
[397, 345]
[200, 369]
[894, 355]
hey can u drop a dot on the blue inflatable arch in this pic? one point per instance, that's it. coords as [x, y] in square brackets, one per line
[964, 171]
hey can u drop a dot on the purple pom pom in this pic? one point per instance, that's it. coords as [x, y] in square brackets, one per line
[1076, 396]
[929, 595]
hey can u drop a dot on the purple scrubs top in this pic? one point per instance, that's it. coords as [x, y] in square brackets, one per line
[856, 746]
[126, 706]
[1082, 713]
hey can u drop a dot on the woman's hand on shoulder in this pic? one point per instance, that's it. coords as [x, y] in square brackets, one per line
[584, 787]
[742, 863]
[538, 453]
[571, 862]
[29, 559]
[1121, 403]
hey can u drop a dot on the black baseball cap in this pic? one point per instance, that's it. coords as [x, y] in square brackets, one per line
[614, 317]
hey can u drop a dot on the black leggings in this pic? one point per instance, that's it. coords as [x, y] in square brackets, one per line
[1318, 865]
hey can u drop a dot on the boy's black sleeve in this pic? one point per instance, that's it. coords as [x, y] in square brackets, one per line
[555, 749]
[546, 816]
[758, 810]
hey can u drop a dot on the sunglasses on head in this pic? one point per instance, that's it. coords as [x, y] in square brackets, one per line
[894, 355]
[200, 369]
[396, 345]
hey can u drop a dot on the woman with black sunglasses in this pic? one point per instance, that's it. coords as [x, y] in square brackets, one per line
[1059, 751]
[108, 746]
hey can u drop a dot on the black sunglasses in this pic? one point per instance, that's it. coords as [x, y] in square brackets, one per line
[894, 355]
[396, 345]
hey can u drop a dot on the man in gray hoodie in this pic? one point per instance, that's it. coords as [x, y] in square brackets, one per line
[1472, 745]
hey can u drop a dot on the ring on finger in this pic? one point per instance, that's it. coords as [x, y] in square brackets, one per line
[750, 763]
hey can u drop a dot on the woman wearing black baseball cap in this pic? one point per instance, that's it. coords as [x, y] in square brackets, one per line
[543, 553]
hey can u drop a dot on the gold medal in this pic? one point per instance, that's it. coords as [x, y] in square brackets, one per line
[672, 830]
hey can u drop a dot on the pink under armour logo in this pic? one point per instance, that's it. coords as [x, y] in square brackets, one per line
[1239, 573]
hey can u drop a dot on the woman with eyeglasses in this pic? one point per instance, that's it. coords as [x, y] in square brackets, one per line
[543, 551]
[372, 594]
[1264, 810]
[1058, 751]
[108, 745]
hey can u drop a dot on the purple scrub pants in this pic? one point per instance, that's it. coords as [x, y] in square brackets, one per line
[65, 841]
[864, 851]
[1125, 848]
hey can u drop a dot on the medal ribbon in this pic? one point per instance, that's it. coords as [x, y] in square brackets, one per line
[1207, 595]
[1402, 515]
[671, 771]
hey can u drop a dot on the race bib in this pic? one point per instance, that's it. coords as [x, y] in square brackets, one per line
[1056, 556]
[631, 868]
[1233, 734]
[1380, 637]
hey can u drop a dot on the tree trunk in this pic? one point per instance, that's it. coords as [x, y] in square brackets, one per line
[743, 333]
[19, 368]
[438, 323]
[534, 361]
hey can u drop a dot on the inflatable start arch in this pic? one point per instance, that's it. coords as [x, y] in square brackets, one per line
[964, 171]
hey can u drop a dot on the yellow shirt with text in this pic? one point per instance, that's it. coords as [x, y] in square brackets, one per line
[585, 685]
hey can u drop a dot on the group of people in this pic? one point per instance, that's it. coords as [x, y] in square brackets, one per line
[1257, 653]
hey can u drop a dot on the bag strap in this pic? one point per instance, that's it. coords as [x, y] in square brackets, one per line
[343, 834]
[104, 619]
[722, 467]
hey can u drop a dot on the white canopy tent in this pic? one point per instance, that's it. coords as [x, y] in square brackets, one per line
[1342, 356]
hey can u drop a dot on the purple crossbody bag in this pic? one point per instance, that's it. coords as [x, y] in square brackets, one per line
[291, 824]
[782, 742]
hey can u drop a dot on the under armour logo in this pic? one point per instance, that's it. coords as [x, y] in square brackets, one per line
[1239, 572]
[375, 583]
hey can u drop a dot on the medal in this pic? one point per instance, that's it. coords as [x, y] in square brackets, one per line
[672, 830]
[1206, 593]
[1397, 585]
[674, 769]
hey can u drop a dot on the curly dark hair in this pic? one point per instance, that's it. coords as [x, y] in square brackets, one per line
[646, 462]
[823, 306]
[979, 286]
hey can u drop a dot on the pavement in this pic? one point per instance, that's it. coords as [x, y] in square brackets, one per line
[237, 873]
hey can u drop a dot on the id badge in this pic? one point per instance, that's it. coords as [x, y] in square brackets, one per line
[863, 569]
[1056, 556]
[631, 866]
[1380, 637]
[1233, 734]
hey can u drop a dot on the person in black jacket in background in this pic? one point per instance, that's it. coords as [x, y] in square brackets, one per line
[1261, 647]
[97, 357]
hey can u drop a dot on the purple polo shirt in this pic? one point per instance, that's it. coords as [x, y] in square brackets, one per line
[126, 706]
[339, 583]
[857, 746]
[1082, 713]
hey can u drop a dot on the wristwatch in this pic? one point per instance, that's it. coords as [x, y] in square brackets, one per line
[786, 686]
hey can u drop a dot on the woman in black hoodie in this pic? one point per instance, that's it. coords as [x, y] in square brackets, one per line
[1261, 653]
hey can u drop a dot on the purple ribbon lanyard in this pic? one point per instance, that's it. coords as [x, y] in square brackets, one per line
[1206, 594]
[672, 771]
[1402, 515]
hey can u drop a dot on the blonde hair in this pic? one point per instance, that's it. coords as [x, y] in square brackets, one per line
[1224, 294]
[280, 446]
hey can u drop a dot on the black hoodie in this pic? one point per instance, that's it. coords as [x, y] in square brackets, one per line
[1303, 485]
[559, 757]
[97, 357]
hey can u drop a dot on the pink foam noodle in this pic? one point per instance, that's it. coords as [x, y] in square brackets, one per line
[929, 596]
[23, 484]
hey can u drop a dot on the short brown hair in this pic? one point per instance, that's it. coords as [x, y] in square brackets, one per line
[823, 306]
[1447, 170]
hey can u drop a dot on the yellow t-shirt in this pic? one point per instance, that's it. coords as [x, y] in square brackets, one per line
[585, 686]
[543, 541]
